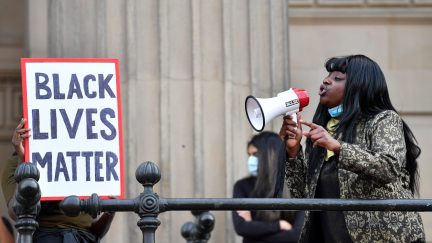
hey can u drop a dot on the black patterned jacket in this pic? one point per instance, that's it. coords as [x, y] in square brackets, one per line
[373, 167]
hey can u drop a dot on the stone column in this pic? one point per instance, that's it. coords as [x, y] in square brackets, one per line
[186, 67]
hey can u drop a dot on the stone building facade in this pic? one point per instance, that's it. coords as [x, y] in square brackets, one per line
[187, 66]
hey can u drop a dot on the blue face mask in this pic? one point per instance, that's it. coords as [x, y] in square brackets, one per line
[336, 111]
[253, 165]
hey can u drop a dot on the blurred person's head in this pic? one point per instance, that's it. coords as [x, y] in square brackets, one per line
[263, 151]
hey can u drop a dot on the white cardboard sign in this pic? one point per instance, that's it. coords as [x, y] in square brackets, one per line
[73, 107]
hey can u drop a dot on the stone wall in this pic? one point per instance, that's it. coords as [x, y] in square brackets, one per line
[187, 66]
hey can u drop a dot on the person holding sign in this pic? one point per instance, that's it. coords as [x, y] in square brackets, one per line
[357, 147]
[54, 226]
[6, 231]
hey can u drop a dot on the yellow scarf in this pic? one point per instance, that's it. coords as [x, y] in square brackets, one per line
[331, 129]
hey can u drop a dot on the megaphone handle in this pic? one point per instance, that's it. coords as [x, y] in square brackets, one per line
[294, 116]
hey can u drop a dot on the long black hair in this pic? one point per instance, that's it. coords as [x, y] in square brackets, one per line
[268, 145]
[366, 94]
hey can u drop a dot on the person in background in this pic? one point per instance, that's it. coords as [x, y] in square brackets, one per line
[264, 226]
[357, 147]
[6, 231]
[54, 226]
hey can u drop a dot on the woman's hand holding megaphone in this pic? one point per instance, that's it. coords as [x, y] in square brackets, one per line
[291, 132]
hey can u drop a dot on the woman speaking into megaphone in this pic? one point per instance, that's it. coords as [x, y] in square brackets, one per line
[357, 147]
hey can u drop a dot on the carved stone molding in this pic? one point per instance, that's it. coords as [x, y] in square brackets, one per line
[360, 8]
[363, 3]
[354, 12]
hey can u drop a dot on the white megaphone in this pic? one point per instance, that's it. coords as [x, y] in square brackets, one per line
[261, 111]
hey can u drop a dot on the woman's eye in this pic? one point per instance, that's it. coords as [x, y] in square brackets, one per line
[337, 79]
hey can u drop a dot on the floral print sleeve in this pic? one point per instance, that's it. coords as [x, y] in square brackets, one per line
[383, 155]
[372, 167]
[295, 175]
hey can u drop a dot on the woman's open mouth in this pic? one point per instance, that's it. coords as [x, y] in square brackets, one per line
[322, 90]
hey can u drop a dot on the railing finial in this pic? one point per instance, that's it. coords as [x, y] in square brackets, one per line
[200, 230]
[148, 174]
[26, 201]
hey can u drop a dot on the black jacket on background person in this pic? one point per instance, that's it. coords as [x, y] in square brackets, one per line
[261, 231]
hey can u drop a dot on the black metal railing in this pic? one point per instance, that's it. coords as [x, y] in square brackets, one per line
[148, 205]
[200, 230]
[26, 202]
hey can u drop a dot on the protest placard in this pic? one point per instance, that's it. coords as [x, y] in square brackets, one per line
[73, 107]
